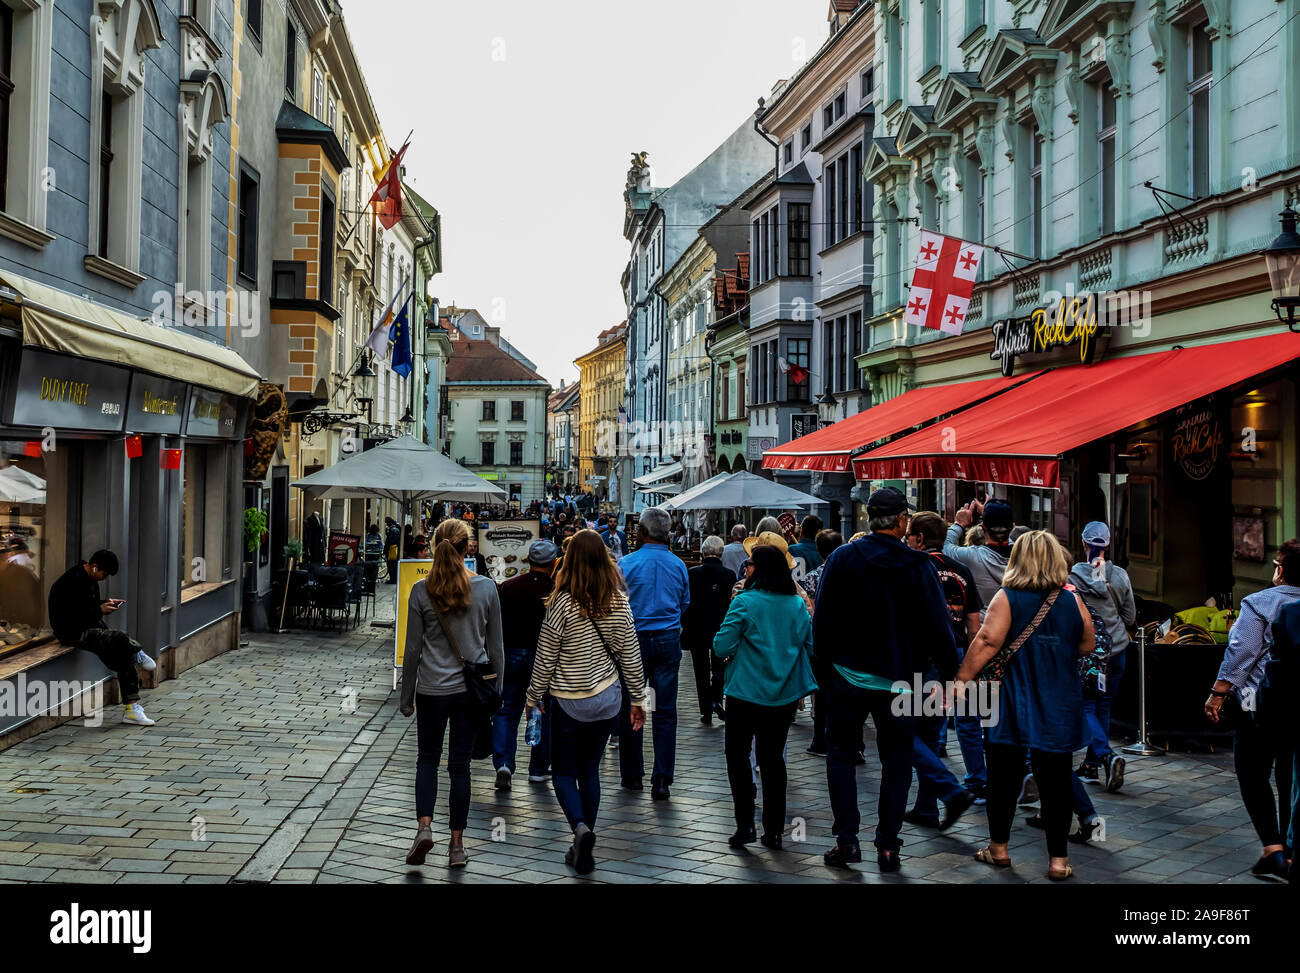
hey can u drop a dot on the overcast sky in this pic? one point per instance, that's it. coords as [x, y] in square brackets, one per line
[526, 115]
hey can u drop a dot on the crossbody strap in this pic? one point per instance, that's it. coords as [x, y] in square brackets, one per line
[451, 640]
[1029, 629]
[605, 645]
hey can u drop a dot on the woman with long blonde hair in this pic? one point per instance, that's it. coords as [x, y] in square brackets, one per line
[1040, 694]
[454, 618]
[588, 645]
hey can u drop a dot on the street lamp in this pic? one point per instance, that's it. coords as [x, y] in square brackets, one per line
[826, 403]
[363, 385]
[407, 421]
[1283, 260]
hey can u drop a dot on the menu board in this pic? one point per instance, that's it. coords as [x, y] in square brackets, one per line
[504, 546]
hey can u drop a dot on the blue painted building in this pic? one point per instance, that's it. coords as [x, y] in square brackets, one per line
[122, 409]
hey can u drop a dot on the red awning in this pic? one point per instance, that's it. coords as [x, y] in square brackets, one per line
[828, 450]
[1019, 437]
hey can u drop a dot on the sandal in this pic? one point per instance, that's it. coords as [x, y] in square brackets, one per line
[987, 857]
[1060, 875]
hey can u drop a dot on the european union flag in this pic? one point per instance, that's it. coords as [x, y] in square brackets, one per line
[401, 338]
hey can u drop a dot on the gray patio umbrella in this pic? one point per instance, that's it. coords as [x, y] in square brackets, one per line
[405, 470]
[742, 490]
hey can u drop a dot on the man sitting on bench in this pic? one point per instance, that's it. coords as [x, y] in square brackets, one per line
[77, 616]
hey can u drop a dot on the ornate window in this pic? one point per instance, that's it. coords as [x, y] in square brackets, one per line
[121, 32]
[25, 53]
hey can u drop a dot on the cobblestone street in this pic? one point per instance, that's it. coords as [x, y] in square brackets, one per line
[290, 787]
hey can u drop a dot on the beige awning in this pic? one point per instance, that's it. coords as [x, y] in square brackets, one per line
[58, 321]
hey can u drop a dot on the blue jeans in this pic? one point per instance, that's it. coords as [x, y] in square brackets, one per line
[1096, 712]
[661, 655]
[505, 723]
[576, 749]
[849, 707]
[934, 781]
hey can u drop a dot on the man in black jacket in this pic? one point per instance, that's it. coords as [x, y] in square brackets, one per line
[77, 616]
[711, 584]
[881, 619]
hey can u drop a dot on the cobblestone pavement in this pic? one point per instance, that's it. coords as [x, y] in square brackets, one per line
[286, 761]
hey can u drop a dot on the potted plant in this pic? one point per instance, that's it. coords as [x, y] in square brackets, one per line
[293, 549]
[254, 529]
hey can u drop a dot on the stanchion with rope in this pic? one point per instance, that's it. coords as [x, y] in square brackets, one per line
[1142, 748]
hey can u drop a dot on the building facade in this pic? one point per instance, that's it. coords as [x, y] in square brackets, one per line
[563, 422]
[602, 417]
[122, 407]
[497, 416]
[1133, 155]
[659, 225]
[811, 241]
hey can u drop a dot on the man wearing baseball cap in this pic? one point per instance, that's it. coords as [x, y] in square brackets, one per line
[523, 606]
[987, 562]
[881, 620]
[1108, 591]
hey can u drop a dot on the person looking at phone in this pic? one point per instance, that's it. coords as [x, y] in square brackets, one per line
[79, 617]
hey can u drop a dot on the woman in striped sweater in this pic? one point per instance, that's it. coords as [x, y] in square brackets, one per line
[587, 644]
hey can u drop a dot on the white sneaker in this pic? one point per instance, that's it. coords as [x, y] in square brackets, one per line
[144, 662]
[135, 714]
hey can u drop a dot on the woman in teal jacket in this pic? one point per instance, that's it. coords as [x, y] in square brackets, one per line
[766, 640]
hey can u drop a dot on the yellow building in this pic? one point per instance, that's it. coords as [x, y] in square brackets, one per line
[602, 380]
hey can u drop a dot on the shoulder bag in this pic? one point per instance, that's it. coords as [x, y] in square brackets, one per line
[996, 669]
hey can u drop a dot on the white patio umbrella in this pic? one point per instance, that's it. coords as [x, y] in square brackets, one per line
[742, 490]
[405, 470]
[685, 495]
[19, 486]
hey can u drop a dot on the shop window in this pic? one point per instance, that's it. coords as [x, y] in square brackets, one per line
[27, 566]
[1141, 518]
[205, 511]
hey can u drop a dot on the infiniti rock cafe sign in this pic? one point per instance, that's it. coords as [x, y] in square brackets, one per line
[68, 393]
[1197, 440]
[1067, 324]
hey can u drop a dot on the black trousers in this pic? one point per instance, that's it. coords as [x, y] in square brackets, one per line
[1261, 752]
[117, 650]
[1052, 771]
[766, 727]
[708, 678]
[433, 714]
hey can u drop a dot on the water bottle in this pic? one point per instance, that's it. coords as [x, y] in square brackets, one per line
[533, 735]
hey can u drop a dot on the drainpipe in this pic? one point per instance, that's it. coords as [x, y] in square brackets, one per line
[758, 127]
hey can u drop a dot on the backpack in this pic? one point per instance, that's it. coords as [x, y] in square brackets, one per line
[1094, 666]
[954, 590]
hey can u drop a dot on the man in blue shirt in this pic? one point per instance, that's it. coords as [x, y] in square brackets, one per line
[658, 590]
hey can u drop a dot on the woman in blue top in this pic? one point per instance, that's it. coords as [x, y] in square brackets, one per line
[766, 640]
[1040, 699]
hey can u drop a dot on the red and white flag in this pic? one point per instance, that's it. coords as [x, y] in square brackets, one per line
[798, 374]
[387, 197]
[941, 287]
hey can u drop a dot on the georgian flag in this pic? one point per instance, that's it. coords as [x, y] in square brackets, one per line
[946, 269]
